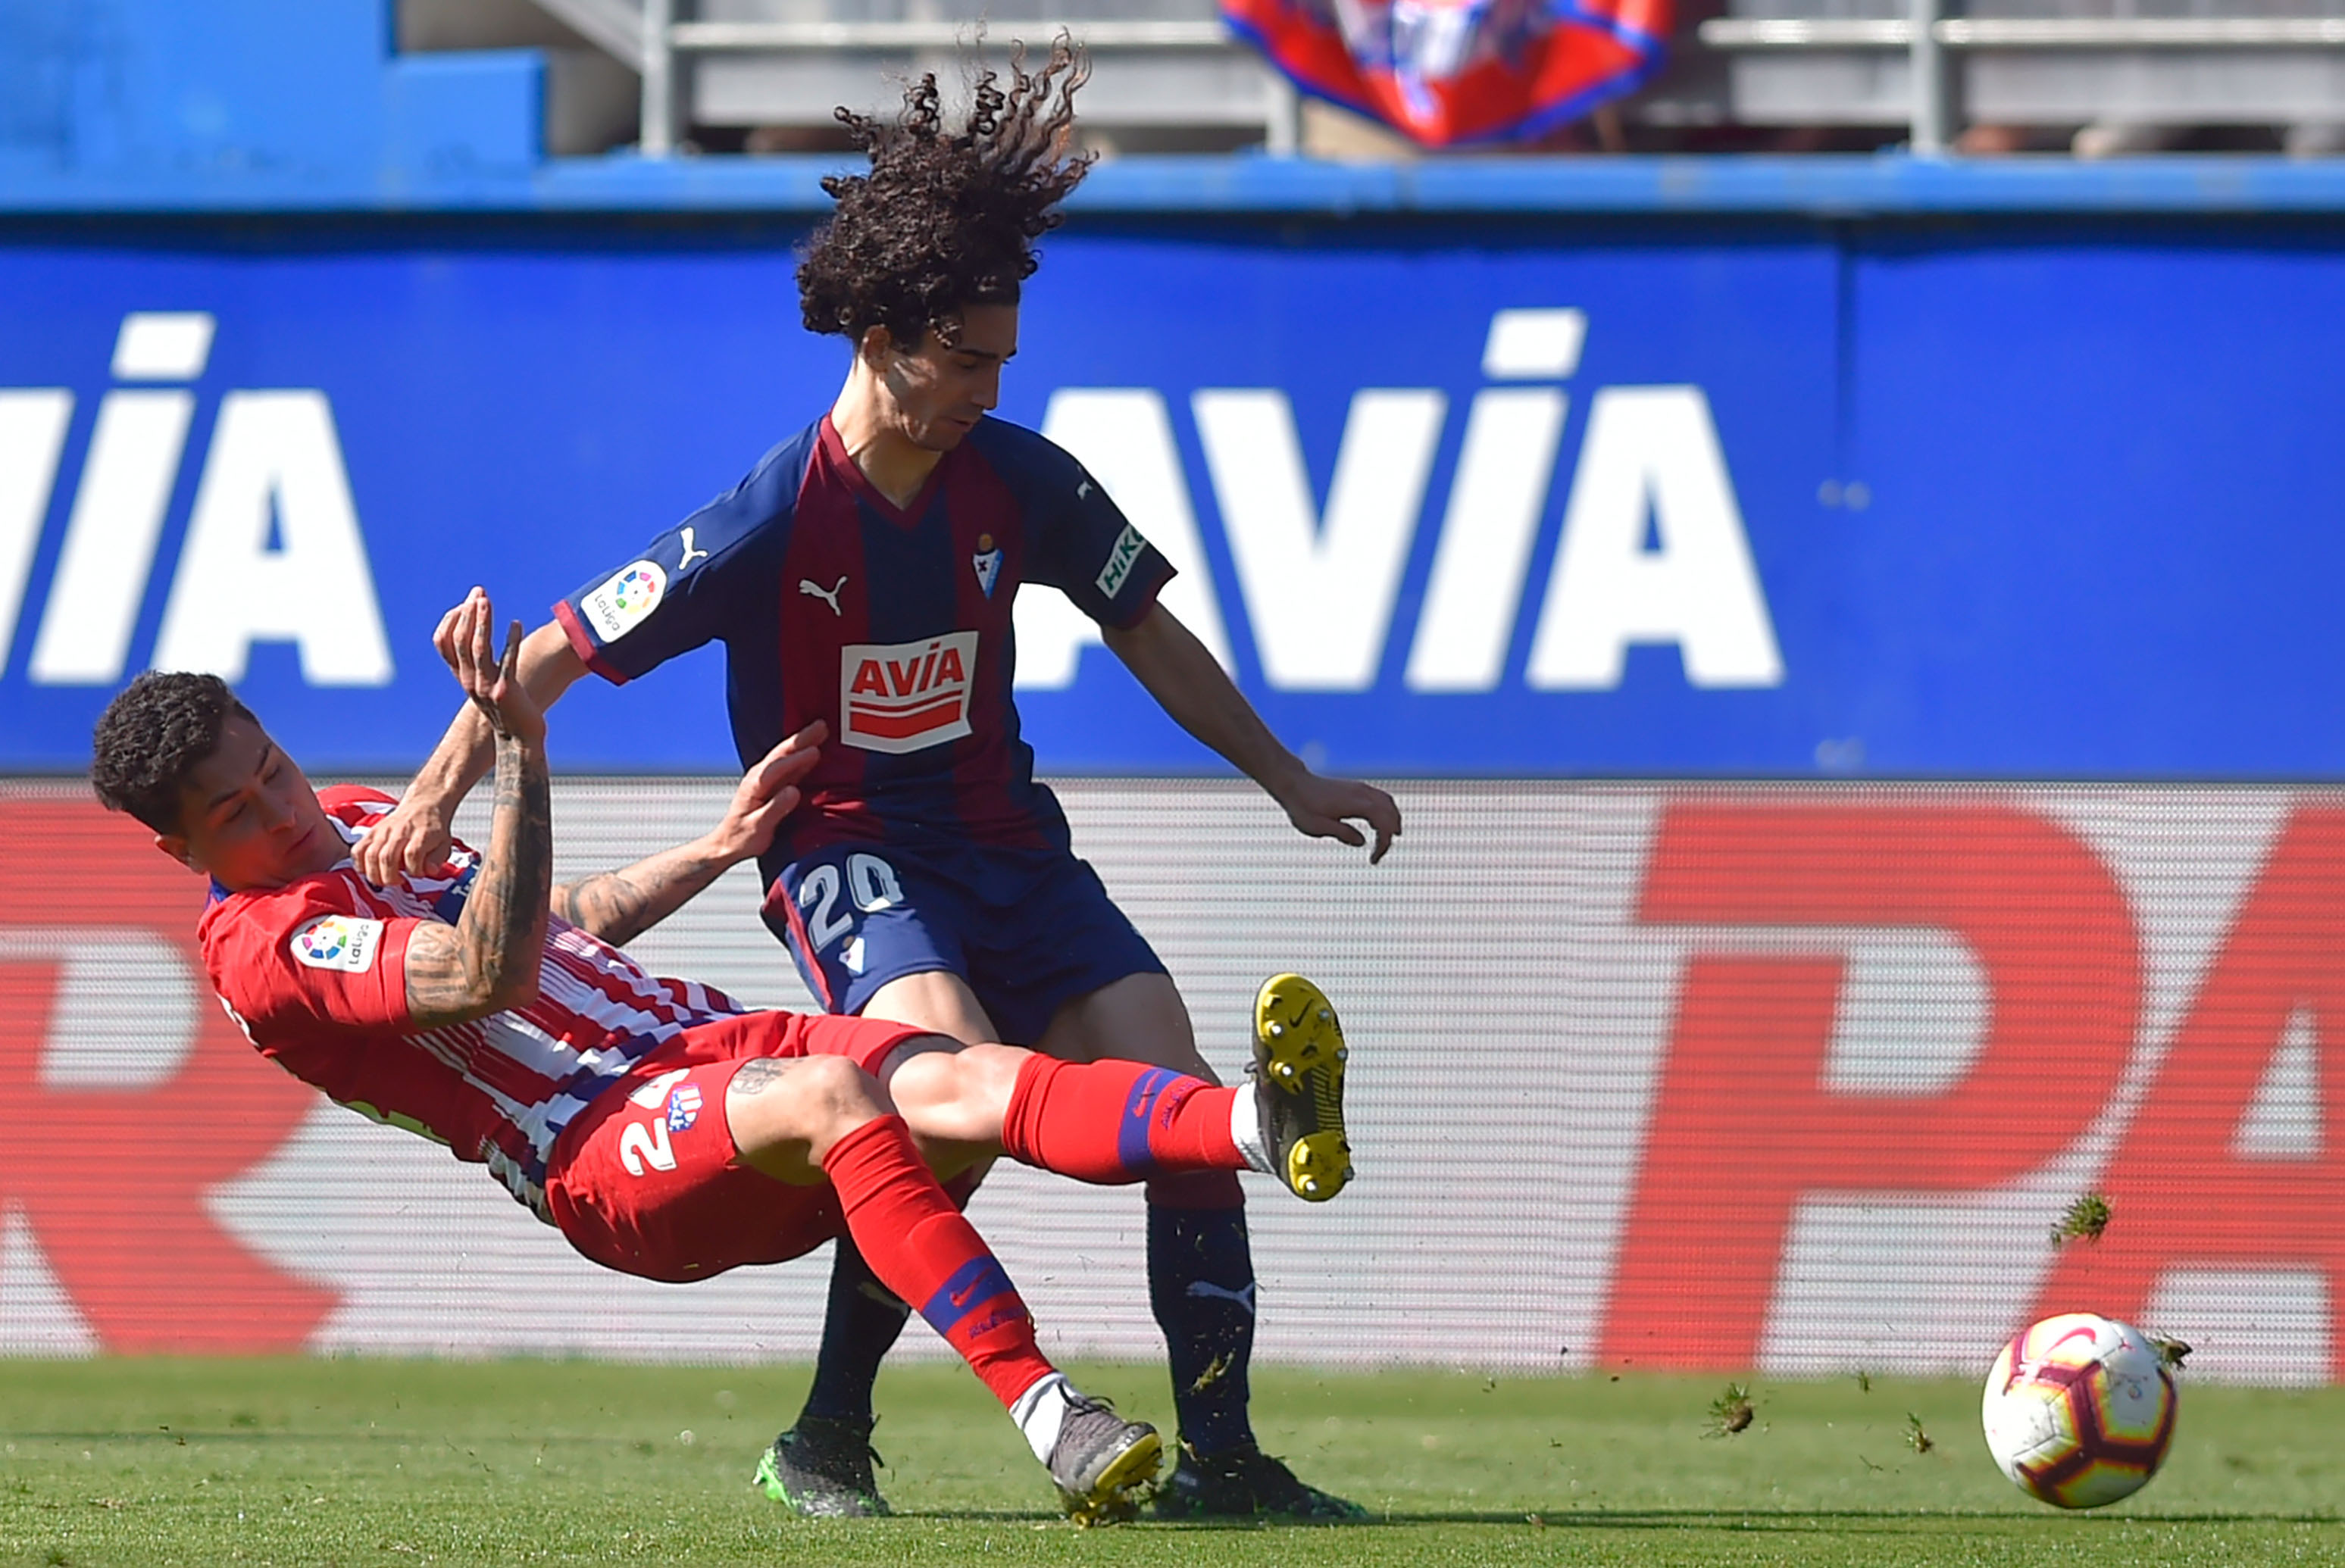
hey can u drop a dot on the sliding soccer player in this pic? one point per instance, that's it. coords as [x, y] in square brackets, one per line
[664, 1131]
[862, 575]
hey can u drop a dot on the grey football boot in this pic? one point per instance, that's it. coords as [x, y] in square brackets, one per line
[1101, 1459]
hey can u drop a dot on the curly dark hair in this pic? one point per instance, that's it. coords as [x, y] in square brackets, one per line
[158, 729]
[946, 219]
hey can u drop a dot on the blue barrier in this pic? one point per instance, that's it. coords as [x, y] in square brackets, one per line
[1764, 498]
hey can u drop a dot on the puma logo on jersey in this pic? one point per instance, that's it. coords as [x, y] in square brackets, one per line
[690, 555]
[827, 596]
[906, 696]
[1206, 1288]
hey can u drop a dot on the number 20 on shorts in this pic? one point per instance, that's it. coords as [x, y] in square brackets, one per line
[872, 885]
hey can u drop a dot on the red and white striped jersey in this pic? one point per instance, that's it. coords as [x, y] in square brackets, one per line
[315, 972]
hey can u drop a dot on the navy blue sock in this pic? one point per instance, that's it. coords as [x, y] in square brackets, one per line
[858, 1327]
[1201, 1285]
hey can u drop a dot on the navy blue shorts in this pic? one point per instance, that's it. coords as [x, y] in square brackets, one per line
[1029, 930]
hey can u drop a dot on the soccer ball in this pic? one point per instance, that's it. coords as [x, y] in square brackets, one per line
[2079, 1410]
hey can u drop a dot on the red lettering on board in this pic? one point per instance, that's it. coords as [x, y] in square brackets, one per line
[1743, 1127]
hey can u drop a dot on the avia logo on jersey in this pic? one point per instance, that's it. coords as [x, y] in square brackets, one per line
[272, 552]
[338, 942]
[619, 606]
[906, 696]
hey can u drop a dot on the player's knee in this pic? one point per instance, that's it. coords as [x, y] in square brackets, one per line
[785, 1114]
[988, 1077]
[838, 1096]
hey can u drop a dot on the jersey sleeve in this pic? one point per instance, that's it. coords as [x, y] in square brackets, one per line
[301, 962]
[1085, 547]
[690, 585]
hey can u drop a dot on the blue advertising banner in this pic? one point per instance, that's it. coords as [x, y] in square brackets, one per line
[1771, 498]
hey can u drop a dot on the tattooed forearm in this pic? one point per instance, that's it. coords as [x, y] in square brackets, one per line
[620, 905]
[610, 904]
[488, 961]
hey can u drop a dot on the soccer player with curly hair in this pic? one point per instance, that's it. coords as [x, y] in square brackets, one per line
[862, 575]
[664, 1131]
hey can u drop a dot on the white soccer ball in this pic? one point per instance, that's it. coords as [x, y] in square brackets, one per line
[2079, 1410]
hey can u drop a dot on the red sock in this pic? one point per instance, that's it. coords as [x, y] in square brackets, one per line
[922, 1249]
[1111, 1122]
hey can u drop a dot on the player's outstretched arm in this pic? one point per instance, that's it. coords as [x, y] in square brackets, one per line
[487, 961]
[620, 905]
[1166, 658]
[414, 837]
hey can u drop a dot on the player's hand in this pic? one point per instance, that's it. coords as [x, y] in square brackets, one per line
[1326, 808]
[769, 792]
[492, 682]
[413, 839]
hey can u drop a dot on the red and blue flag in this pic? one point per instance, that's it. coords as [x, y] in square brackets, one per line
[1444, 72]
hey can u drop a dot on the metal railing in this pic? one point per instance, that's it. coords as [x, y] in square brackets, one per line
[668, 44]
[1927, 37]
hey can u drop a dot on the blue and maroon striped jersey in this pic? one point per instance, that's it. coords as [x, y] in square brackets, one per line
[891, 623]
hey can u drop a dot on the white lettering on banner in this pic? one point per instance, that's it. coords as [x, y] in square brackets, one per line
[163, 345]
[1651, 453]
[275, 456]
[110, 539]
[32, 438]
[1534, 345]
[122, 1018]
[275, 468]
[1123, 436]
[1512, 435]
[1320, 593]
[899, 697]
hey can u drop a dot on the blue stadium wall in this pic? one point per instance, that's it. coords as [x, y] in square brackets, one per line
[1856, 641]
[1991, 496]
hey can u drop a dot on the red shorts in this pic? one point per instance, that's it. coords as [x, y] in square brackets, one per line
[646, 1181]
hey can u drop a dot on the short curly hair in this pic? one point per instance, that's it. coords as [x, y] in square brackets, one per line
[159, 730]
[946, 219]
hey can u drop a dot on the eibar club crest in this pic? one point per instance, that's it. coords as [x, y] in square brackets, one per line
[987, 562]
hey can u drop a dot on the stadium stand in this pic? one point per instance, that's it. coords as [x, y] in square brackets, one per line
[2139, 75]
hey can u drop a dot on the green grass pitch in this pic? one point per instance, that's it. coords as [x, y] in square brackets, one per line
[384, 1462]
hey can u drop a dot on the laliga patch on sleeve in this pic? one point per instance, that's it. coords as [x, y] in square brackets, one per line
[338, 942]
[619, 606]
[1120, 561]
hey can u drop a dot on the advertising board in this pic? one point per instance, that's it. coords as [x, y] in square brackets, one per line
[1474, 501]
[1694, 1076]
